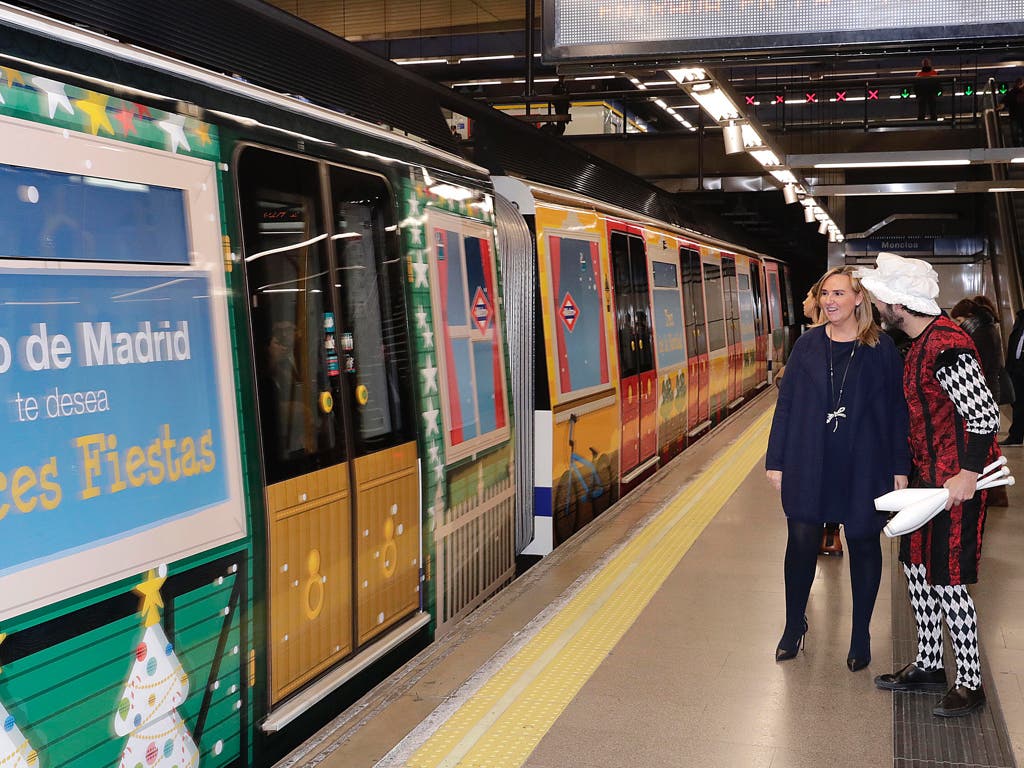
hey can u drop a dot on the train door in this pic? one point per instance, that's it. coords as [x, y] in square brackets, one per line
[333, 387]
[638, 390]
[698, 371]
[760, 339]
[718, 361]
[776, 322]
[733, 338]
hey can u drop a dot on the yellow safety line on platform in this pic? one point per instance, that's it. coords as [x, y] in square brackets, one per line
[501, 724]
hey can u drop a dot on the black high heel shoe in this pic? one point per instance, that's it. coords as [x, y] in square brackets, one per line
[785, 654]
[857, 664]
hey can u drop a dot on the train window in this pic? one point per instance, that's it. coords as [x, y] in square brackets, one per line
[668, 315]
[755, 294]
[786, 298]
[774, 300]
[625, 306]
[693, 290]
[641, 305]
[290, 296]
[466, 301]
[374, 346]
[580, 344]
[73, 217]
[732, 312]
[715, 306]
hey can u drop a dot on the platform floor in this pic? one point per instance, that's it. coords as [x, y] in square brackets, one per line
[648, 640]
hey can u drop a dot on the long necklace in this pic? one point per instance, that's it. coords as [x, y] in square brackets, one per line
[839, 411]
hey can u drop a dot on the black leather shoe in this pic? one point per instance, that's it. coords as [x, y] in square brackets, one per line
[960, 701]
[913, 678]
[855, 664]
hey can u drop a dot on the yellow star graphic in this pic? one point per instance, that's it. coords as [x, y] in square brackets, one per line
[13, 76]
[96, 108]
[149, 590]
[203, 132]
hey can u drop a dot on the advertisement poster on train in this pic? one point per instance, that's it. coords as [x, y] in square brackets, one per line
[112, 412]
[579, 326]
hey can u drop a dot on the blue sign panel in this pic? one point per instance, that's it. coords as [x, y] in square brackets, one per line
[112, 418]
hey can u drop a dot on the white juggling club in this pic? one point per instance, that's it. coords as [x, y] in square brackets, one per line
[894, 501]
[927, 506]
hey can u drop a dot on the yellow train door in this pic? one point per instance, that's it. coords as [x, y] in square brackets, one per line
[333, 385]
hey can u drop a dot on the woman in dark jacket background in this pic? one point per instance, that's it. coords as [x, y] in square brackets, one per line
[977, 316]
[838, 440]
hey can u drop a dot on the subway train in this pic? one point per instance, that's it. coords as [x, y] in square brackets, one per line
[289, 392]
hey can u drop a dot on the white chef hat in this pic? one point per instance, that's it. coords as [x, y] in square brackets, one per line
[898, 280]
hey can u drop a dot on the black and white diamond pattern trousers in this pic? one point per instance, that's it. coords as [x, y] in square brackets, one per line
[930, 604]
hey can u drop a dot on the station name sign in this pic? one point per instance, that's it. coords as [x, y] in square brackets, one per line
[591, 30]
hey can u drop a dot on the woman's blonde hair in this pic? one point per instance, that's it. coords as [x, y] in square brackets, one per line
[867, 328]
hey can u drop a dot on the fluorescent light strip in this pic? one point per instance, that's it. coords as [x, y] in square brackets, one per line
[596, 77]
[498, 57]
[407, 62]
[894, 163]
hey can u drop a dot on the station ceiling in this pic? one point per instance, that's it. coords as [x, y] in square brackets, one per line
[813, 103]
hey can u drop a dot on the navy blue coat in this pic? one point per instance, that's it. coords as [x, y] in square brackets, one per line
[879, 430]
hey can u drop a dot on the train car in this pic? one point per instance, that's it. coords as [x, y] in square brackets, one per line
[258, 440]
[647, 336]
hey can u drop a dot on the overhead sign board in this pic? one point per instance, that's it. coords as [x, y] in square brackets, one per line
[586, 30]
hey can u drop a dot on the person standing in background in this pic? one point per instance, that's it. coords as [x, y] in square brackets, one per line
[1015, 367]
[1013, 103]
[838, 440]
[926, 90]
[953, 424]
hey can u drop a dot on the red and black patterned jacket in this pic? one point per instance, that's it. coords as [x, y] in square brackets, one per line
[953, 416]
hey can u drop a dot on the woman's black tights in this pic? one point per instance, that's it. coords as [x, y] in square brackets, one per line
[800, 565]
[801, 562]
[865, 576]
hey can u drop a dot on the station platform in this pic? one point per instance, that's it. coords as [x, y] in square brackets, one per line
[648, 640]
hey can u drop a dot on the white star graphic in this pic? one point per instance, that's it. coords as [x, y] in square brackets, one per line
[428, 339]
[413, 203]
[174, 127]
[431, 417]
[421, 275]
[416, 235]
[421, 317]
[55, 95]
[435, 454]
[429, 373]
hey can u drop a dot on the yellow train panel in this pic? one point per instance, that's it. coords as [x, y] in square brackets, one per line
[310, 576]
[388, 538]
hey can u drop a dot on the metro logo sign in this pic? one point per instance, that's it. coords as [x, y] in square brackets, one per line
[481, 310]
[569, 311]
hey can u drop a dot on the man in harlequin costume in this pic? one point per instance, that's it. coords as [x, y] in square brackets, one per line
[953, 425]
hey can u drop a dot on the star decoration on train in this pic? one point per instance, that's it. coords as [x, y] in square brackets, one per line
[420, 267]
[431, 417]
[416, 236]
[429, 372]
[202, 133]
[435, 454]
[174, 127]
[421, 318]
[149, 591]
[56, 96]
[428, 339]
[413, 204]
[126, 118]
[12, 76]
[95, 106]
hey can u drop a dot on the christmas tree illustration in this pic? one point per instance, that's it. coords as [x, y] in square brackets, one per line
[157, 685]
[15, 751]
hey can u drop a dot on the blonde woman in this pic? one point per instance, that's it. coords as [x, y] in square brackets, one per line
[838, 440]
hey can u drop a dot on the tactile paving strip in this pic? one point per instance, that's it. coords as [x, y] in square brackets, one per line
[922, 740]
[500, 725]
